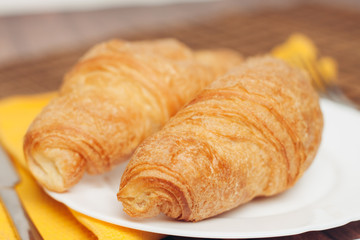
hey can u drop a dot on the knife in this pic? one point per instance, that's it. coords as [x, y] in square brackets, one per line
[8, 180]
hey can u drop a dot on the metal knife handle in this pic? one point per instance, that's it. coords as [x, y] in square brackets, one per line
[14, 207]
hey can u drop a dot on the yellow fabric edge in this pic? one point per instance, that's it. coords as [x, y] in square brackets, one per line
[105, 230]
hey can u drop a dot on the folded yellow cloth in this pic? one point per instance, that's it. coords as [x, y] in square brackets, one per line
[299, 50]
[53, 219]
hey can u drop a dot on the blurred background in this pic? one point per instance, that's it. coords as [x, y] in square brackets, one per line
[40, 40]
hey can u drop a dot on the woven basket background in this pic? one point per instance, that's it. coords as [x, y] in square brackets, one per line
[335, 31]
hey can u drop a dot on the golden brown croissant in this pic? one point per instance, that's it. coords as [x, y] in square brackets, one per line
[252, 132]
[114, 97]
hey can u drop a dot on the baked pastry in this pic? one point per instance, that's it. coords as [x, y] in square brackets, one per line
[116, 95]
[252, 132]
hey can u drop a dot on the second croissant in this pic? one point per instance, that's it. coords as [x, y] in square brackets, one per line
[116, 95]
[252, 132]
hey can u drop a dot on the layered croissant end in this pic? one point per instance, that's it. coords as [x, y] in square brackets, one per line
[151, 188]
[51, 172]
[149, 196]
[72, 142]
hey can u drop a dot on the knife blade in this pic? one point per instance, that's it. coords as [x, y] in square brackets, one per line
[8, 180]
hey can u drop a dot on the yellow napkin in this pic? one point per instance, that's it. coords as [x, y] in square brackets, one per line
[53, 219]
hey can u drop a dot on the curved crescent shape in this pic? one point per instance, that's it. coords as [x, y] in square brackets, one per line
[116, 95]
[252, 132]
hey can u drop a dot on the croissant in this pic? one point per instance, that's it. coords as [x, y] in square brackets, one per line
[116, 95]
[252, 132]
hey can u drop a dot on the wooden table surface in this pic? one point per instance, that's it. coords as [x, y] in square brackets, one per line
[36, 50]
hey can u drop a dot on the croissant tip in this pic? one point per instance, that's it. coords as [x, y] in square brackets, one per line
[141, 204]
[48, 168]
[49, 178]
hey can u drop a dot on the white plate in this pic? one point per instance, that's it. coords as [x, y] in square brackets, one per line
[328, 195]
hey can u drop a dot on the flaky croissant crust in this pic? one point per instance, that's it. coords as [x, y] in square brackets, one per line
[116, 95]
[252, 132]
